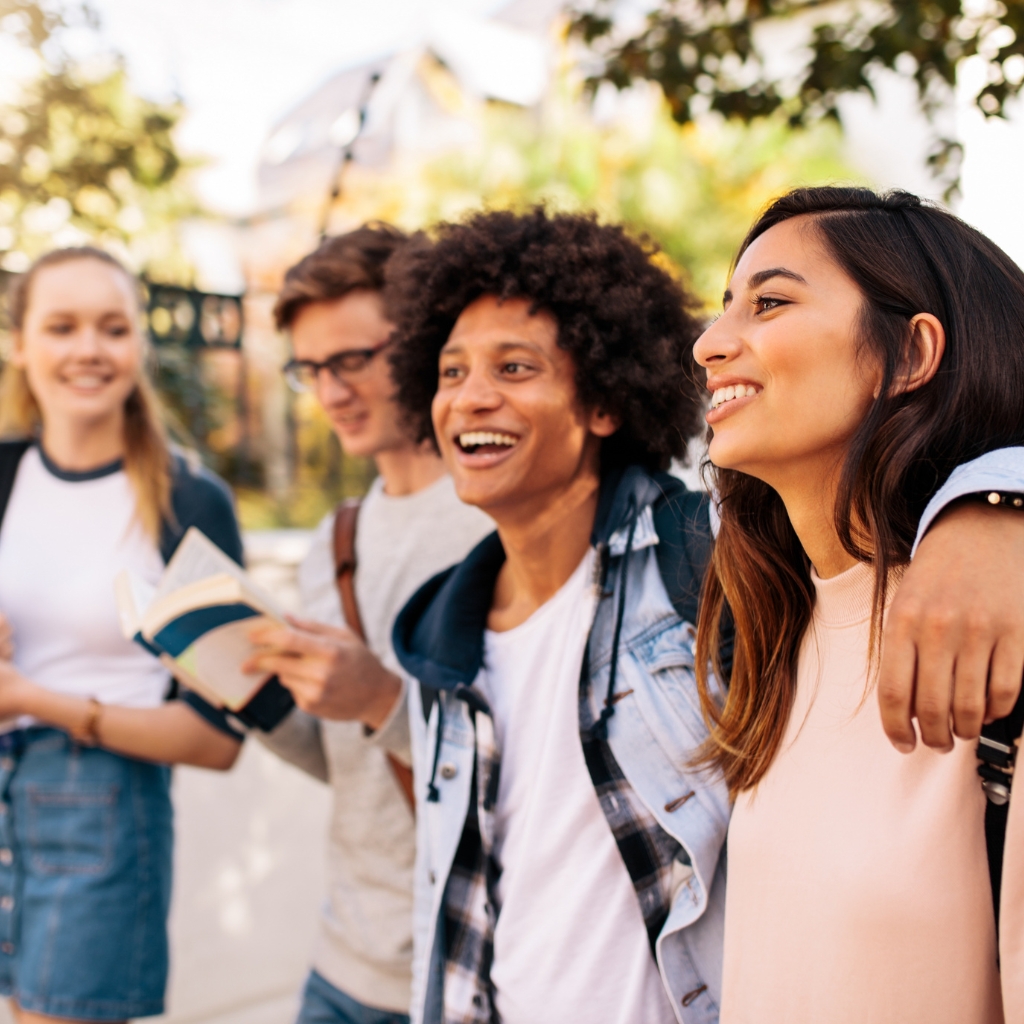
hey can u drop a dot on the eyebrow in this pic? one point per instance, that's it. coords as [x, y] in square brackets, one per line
[503, 346]
[759, 278]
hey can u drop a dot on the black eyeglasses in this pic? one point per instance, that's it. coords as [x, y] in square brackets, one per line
[302, 374]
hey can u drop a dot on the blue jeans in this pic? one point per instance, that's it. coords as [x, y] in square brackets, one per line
[85, 878]
[322, 1003]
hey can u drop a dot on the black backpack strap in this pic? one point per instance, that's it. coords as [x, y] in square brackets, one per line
[997, 751]
[10, 457]
[682, 520]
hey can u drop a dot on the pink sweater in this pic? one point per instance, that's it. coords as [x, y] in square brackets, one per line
[858, 883]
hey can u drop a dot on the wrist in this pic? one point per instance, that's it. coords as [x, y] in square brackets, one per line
[387, 689]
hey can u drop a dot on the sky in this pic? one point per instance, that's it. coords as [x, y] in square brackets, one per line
[239, 64]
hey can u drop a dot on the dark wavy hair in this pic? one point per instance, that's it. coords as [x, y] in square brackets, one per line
[906, 257]
[628, 325]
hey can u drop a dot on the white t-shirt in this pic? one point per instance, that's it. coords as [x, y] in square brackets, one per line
[570, 942]
[63, 541]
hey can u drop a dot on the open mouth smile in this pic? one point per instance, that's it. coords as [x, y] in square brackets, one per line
[485, 442]
[86, 381]
[731, 393]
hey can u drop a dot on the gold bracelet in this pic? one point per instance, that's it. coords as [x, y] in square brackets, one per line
[88, 733]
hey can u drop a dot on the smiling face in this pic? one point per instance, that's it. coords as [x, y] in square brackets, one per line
[361, 407]
[80, 345]
[506, 414]
[789, 379]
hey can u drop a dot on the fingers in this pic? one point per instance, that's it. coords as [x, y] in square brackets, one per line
[288, 669]
[6, 639]
[295, 642]
[321, 628]
[970, 682]
[1005, 678]
[896, 677]
[933, 691]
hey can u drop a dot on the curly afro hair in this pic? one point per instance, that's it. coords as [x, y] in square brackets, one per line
[628, 325]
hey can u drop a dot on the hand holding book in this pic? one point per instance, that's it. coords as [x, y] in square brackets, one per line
[330, 672]
[197, 623]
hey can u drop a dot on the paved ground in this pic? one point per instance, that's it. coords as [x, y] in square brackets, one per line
[249, 867]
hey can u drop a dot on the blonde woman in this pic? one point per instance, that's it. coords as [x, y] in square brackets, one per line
[91, 488]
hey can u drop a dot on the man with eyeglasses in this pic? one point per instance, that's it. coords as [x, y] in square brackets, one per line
[409, 526]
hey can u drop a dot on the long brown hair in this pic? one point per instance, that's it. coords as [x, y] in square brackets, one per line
[906, 257]
[147, 457]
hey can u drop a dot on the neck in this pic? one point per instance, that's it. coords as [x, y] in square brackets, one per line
[810, 500]
[543, 546]
[408, 470]
[80, 446]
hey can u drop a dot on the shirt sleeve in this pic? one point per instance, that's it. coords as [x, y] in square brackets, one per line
[1000, 470]
[299, 741]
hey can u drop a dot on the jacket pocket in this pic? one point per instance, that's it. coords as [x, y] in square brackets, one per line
[71, 829]
[668, 701]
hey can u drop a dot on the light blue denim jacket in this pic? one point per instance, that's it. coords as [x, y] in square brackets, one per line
[653, 735]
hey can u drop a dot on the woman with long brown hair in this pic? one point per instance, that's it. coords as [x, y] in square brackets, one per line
[868, 345]
[88, 487]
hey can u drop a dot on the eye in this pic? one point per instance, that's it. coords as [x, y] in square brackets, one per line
[450, 372]
[765, 304]
[515, 368]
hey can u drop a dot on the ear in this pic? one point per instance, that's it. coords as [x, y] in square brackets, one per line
[603, 424]
[927, 346]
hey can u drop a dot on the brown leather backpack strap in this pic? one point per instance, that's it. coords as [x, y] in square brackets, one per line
[345, 518]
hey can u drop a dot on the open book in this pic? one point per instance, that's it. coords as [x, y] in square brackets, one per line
[197, 620]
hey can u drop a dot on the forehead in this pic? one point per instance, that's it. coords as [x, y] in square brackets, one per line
[354, 321]
[489, 319]
[795, 245]
[84, 286]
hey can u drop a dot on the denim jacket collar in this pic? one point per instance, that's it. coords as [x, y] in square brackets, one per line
[439, 635]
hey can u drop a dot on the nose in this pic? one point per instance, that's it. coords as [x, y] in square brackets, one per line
[88, 344]
[718, 344]
[332, 391]
[476, 393]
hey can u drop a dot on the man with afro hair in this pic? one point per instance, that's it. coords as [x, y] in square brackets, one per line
[575, 876]
[570, 858]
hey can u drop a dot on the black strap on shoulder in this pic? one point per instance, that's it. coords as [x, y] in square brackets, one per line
[683, 523]
[997, 751]
[10, 457]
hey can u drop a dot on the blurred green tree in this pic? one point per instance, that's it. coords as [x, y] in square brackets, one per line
[724, 55]
[82, 155]
[694, 188]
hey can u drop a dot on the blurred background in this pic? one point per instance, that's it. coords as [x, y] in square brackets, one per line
[210, 143]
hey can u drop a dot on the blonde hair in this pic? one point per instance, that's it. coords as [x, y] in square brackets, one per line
[147, 456]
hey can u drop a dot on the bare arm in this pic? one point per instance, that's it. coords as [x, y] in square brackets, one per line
[169, 734]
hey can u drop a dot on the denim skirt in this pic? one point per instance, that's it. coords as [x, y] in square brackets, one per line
[85, 878]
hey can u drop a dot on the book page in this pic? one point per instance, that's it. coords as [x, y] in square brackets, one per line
[198, 558]
[215, 659]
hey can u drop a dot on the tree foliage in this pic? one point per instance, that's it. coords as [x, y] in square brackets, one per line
[722, 55]
[80, 153]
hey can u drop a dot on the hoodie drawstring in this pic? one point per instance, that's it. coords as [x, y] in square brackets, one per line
[433, 793]
[600, 729]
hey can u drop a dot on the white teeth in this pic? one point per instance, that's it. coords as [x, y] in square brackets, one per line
[476, 438]
[722, 395]
[86, 382]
